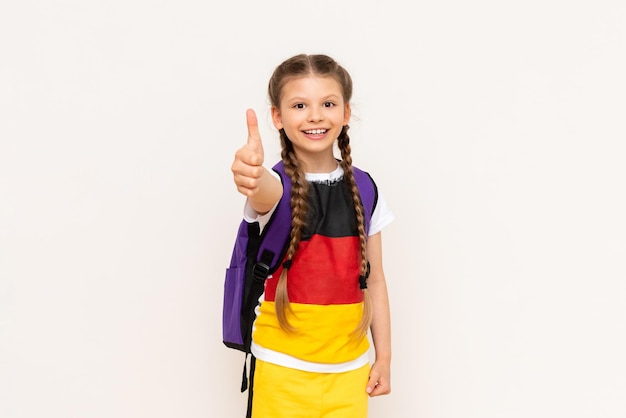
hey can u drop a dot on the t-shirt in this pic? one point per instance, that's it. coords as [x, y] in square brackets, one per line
[325, 298]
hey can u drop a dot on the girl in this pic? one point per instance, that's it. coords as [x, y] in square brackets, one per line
[310, 336]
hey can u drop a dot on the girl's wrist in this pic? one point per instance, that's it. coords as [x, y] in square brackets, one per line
[383, 358]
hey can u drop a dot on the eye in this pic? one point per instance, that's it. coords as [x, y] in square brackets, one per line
[329, 104]
[298, 106]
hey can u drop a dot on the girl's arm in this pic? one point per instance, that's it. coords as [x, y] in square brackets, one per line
[379, 381]
[251, 178]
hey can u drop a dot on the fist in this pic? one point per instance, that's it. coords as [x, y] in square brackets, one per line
[248, 165]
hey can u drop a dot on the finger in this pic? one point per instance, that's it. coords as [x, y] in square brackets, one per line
[254, 138]
[246, 157]
[246, 191]
[377, 388]
[371, 384]
[380, 390]
[245, 180]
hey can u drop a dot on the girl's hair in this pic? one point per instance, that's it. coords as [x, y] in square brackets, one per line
[324, 66]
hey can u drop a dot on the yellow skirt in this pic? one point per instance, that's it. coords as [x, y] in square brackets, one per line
[283, 392]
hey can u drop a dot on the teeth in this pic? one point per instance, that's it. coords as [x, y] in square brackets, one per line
[316, 131]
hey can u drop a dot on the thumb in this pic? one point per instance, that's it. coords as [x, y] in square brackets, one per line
[371, 385]
[254, 138]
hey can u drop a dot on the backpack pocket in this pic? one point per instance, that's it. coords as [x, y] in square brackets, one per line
[234, 285]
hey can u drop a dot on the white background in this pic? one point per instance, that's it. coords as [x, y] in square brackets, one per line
[495, 129]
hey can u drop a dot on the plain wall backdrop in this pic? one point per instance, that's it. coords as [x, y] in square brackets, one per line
[496, 131]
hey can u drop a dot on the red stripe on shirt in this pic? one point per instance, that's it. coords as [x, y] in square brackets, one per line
[324, 271]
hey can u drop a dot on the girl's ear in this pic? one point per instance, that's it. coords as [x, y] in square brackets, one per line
[346, 114]
[276, 118]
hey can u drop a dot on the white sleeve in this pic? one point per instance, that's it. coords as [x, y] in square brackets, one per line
[250, 215]
[381, 217]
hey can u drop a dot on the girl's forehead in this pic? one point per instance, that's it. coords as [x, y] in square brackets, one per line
[311, 85]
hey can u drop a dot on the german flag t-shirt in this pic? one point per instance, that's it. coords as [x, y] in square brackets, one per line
[323, 287]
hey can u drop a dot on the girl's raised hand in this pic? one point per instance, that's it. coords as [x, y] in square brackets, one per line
[248, 165]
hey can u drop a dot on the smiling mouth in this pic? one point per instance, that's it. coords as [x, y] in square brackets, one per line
[316, 131]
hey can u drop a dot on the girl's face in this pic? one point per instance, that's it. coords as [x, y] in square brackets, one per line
[312, 112]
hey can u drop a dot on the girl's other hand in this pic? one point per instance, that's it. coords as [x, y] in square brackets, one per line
[379, 381]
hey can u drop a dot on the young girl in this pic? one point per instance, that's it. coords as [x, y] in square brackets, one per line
[310, 335]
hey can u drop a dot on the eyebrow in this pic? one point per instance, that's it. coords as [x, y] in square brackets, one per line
[298, 98]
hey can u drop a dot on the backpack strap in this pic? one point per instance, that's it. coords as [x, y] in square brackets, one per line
[368, 192]
[264, 252]
[275, 235]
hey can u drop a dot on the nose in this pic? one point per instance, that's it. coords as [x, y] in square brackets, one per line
[315, 114]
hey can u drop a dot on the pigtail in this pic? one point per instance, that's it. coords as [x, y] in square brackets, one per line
[343, 143]
[299, 190]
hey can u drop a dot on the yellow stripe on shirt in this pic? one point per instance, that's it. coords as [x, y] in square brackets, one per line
[323, 332]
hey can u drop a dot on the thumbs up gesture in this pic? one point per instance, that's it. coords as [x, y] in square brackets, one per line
[251, 178]
[248, 165]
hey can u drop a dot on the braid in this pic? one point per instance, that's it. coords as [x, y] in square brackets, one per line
[343, 143]
[299, 191]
